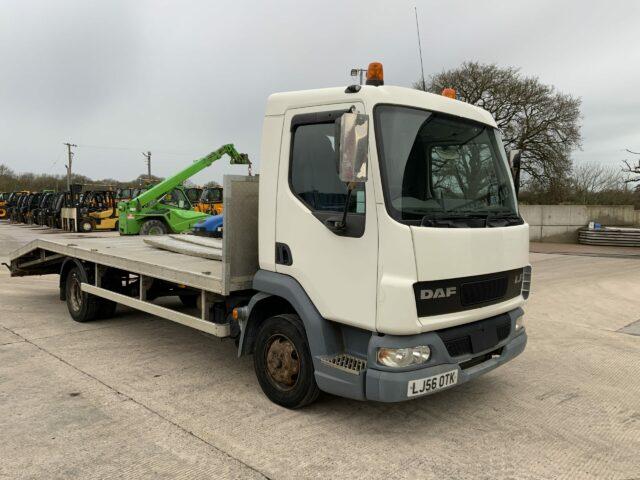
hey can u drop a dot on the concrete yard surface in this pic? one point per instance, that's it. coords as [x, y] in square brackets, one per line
[139, 397]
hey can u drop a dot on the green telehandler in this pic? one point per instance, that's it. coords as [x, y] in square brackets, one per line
[165, 207]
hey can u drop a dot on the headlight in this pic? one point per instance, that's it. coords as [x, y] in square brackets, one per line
[519, 323]
[403, 357]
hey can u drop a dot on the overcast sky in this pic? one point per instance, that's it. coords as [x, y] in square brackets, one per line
[180, 78]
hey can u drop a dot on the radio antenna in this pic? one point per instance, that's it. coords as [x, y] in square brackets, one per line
[424, 85]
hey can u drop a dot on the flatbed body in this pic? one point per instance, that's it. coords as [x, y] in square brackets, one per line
[156, 272]
[131, 254]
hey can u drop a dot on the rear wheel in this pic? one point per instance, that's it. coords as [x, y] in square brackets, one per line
[283, 363]
[82, 306]
[153, 227]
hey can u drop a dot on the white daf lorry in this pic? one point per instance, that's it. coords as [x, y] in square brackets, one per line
[378, 256]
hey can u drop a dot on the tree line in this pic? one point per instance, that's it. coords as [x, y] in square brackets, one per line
[11, 181]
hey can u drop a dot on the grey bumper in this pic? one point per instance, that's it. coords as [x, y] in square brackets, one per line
[387, 386]
[384, 384]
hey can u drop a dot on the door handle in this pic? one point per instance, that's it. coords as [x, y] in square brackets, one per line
[283, 254]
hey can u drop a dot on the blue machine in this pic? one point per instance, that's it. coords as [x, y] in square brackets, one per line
[210, 227]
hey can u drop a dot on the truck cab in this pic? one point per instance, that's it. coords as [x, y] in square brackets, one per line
[423, 286]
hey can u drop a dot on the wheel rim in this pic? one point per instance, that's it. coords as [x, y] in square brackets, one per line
[282, 361]
[86, 226]
[155, 230]
[75, 293]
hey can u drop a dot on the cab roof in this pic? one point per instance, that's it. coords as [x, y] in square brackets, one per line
[279, 103]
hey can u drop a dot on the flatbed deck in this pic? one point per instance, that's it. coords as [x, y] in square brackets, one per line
[154, 272]
[233, 272]
[131, 254]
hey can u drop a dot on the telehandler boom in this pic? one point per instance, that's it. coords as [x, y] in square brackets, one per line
[165, 208]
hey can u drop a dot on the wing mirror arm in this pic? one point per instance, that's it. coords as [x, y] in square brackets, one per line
[515, 164]
[336, 224]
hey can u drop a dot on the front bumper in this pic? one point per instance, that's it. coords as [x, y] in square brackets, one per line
[386, 386]
[383, 384]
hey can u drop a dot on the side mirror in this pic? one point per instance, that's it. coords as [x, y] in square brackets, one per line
[514, 163]
[514, 159]
[354, 148]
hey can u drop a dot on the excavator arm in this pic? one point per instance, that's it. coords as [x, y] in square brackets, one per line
[170, 183]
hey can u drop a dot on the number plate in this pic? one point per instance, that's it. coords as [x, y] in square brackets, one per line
[423, 386]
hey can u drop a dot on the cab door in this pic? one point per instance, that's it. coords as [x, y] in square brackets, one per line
[338, 271]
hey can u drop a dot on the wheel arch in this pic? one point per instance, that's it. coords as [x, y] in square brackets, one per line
[279, 293]
[261, 306]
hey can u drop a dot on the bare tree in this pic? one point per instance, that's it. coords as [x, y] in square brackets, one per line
[590, 178]
[633, 170]
[534, 118]
[5, 171]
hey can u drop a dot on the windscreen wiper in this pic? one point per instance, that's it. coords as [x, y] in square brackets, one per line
[454, 220]
[511, 218]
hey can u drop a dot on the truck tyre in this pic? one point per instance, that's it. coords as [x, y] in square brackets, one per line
[153, 227]
[283, 363]
[82, 306]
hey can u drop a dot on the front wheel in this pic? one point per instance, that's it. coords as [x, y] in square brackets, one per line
[153, 227]
[283, 363]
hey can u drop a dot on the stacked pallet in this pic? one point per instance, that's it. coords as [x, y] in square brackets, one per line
[610, 236]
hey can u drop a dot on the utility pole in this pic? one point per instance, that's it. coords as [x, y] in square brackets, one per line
[147, 155]
[69, 163]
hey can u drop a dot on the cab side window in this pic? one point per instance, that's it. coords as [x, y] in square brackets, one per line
[175, 198]
[314, 172]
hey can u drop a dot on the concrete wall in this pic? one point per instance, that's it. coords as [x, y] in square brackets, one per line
[560, 223]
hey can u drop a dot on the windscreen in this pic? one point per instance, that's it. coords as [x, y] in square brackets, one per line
[436, 166]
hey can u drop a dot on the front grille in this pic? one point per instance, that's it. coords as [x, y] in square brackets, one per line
[439, 297]
[458, 346]
[504, 330]
[475, 337]
[483, 291]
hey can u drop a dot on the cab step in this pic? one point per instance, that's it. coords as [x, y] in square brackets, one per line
[346, 362]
